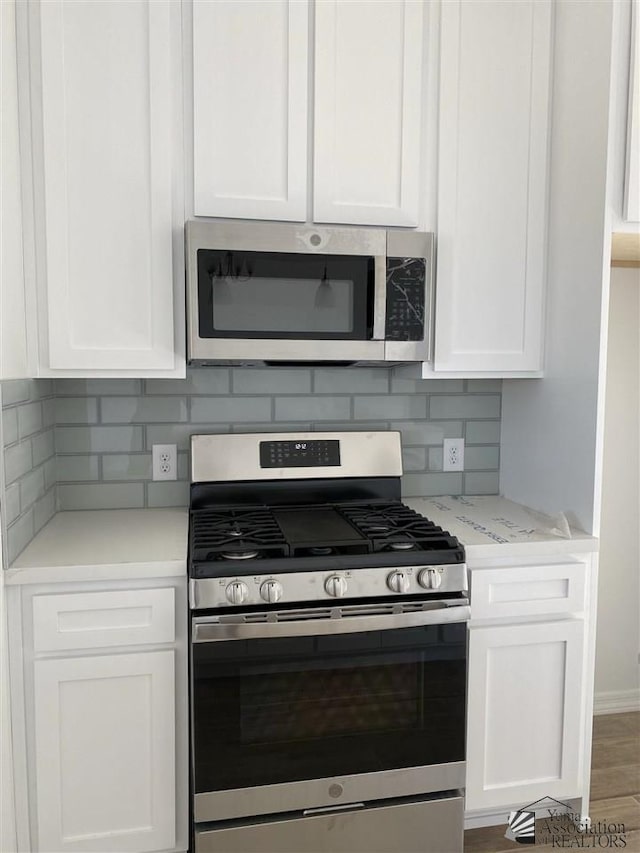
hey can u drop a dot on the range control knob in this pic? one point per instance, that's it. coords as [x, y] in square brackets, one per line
[237, 592]
[271, 591]
[398, 582]
[336, 586]
[430, 578]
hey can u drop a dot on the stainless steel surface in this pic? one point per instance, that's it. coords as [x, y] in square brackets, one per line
[203, 350]
[314, 622]
[236, 592]
[398, 581]
[380, 298]
[428, 826]
[310, 586]
[430, 579]
[336, 586]
[271, 591]
[286, 237]
[232, 458]
[315, 793]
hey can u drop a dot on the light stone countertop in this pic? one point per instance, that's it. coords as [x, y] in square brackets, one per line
[150, 543]
[493, 527]
[109, 544]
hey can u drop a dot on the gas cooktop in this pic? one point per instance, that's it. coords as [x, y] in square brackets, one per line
[226, 539]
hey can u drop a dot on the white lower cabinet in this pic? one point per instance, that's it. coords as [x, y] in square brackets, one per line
[524, 712]
[530, 688]
[99, 716]
[105, 752]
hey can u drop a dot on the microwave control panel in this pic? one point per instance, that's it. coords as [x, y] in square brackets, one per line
[406, 285]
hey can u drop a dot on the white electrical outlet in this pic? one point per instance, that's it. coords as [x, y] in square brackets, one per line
[453, 454]
[165, 461]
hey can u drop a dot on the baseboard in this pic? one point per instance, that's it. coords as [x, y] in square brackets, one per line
[616, 702]
[475, 820]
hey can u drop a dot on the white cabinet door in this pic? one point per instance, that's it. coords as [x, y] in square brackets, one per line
[250, 71]
[104, 120]
[105, 753]
[524, 724]
[368, 107]
[492, 184]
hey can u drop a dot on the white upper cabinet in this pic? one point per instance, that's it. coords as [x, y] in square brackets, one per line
[492, 185]
[105, 123]
[368, 99]
[250, 66]
[632, 173]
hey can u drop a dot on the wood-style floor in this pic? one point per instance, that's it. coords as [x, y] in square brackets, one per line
[615, 790]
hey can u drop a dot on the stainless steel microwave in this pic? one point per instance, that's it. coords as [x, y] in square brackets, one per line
[276, 292]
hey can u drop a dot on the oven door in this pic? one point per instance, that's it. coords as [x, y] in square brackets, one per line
[278, 295]
[303, 709]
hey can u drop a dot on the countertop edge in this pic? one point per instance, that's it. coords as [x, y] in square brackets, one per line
[97, 572]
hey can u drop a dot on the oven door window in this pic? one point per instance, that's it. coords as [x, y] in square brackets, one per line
[284, 710]
[279, 295]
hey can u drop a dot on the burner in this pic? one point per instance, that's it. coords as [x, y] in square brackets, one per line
[240, 555]
[403, 546]
[320, 551]
[377, 528]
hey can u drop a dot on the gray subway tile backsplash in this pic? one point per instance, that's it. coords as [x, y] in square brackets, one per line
[76, 410]
[482, 483]
[351, 380]
[78, 468]
[315, 408]
[105, 430]
[99, 439]
[128, 410]
[29, 419]
[28, 482]
[100, 495]
[17, 461]
[229, 410]
[482, 432]
[9, 426]
[402, 407]
[465, 406]
[247, 380]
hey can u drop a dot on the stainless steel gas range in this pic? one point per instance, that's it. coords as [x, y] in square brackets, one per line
[328, 651]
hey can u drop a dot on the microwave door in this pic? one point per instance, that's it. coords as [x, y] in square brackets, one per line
[289, 306]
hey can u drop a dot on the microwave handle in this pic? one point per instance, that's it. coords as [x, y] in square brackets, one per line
[380, 297]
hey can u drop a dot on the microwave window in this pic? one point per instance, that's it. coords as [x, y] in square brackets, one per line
[279, 305]
[285, 295]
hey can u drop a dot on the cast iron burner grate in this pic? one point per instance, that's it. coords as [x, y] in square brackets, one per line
[395, 527]
[235, 534]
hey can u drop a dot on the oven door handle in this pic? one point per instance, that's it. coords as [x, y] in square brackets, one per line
[442, 612]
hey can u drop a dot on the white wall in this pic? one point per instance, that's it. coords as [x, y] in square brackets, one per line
[618, 630]
[551, 428]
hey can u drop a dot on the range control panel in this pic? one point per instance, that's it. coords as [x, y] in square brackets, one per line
[300, 454]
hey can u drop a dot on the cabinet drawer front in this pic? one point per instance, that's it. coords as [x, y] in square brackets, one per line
[528, 590]
[100, 619]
